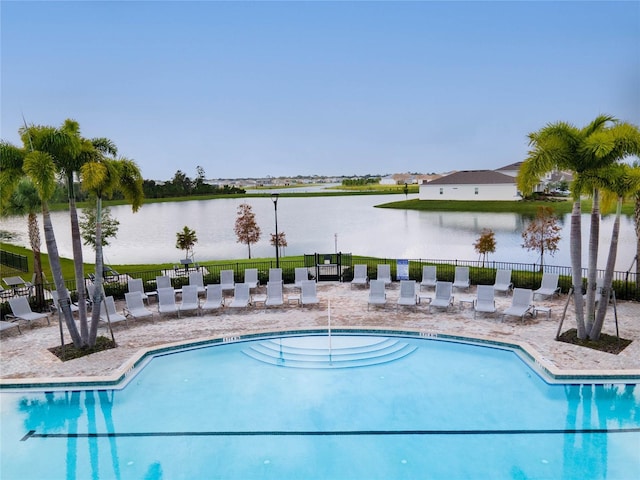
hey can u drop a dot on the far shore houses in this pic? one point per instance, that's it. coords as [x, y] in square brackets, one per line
[499, 184]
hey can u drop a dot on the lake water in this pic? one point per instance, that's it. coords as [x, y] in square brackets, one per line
[323, 225]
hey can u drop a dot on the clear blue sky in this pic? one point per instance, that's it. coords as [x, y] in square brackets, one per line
[250, 89]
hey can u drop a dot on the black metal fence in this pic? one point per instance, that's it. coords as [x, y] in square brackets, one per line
[524, 275]
[13, 260]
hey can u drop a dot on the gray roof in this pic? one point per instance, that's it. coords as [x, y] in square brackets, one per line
[513, 166]
[473, 177]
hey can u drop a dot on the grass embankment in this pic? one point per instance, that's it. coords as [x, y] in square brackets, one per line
[68, 271]
[527, 207]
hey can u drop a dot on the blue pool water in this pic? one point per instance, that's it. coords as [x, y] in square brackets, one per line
[375, 407]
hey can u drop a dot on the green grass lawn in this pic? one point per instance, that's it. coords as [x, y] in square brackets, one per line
[525, 207]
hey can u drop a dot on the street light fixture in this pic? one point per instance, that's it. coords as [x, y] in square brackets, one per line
[274, 199]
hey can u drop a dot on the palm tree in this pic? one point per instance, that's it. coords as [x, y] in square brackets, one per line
[70, 151]
[636, 218]
[563, 146]
[621, 181]
[40, 168]
[25, 200]
[102, 177]
[185, 240]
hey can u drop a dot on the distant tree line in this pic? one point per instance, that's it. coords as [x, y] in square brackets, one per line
[183, 186]
[349, 182]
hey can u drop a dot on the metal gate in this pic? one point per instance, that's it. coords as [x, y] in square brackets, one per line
[328, 266]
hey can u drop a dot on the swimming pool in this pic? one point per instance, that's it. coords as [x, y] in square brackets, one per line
[369, 407]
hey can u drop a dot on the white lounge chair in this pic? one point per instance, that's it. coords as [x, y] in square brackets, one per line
[461, 279]
[308, 295]
[135, 306]
[214, 299]
[377, 294]
[227, 281]
[5, 294]
[503, 282]
[360, 275]
[55, 305]
[9, 325]
[275, 275]
[599, 285]
[108, 312]
[135, 285]
[167, 301]
[163, 281]
[274, 294]
[195, 278]
[384, 273]
[521, 303]
[301, 275]
[484, 301]
[443, 297]
[21, 310]
[428, 276]
[240, 296]
[91, 288]
[251, 277]
[548, 286]
[408, 297]
[190, 301]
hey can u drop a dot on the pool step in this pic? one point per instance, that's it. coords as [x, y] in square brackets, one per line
[345, 352]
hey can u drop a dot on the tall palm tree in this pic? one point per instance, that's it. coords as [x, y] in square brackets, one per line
[40, 168]
[102, 177]
[25, 200]
[563, 146]
[636, 218]
[622, 181]
[70, 151]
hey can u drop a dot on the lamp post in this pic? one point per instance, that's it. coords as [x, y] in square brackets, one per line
[274, 199]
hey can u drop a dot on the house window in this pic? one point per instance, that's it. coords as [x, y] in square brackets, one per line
[441, 191]
[476, 191]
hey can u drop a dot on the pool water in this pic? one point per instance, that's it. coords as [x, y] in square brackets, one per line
[368, 407]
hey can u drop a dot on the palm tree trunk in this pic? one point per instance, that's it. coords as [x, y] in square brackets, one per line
[97, 292]
[603, 303]
[636, 213]
[592, 272]
[78, 263]
[34, 241]
[576, 267]
[56, 271]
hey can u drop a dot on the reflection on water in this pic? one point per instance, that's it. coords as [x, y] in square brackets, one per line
[311, 225]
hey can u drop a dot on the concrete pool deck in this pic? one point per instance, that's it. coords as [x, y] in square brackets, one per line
[25, 358]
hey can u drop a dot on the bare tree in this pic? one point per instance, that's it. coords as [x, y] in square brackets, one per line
[542, 234]
[282, 241]
[247, 230]
[485, 244]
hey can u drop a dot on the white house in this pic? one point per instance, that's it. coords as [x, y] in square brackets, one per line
[388, 180]
[471, 185]
[511, 170]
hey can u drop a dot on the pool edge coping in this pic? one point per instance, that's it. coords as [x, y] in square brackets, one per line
[121, 376]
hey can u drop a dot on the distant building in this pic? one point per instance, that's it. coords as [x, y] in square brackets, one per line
[388, 180]
[471, 185]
